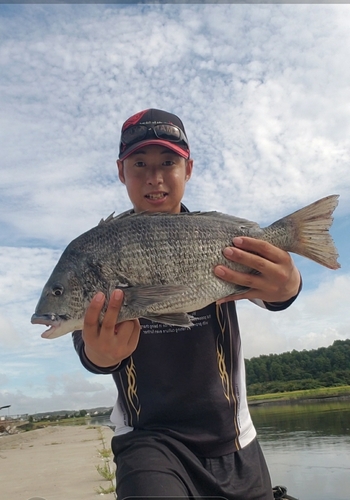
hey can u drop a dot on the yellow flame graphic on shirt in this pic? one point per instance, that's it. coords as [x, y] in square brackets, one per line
[132, 387]
[220, 353]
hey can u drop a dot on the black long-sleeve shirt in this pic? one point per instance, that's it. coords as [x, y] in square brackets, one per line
[187, 383]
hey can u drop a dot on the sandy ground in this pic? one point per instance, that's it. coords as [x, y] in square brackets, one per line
[54, 463]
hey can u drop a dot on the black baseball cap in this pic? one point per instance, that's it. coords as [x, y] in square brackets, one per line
[153, 126]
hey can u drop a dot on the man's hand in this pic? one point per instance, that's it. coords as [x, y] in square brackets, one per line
[278, 279]
[108, 345]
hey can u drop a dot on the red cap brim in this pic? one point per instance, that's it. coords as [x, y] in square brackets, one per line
[185, 153]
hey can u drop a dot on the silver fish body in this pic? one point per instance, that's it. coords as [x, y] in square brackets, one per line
[164, 262]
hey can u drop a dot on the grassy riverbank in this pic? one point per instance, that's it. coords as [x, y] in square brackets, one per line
[41, 424]
[303, 395]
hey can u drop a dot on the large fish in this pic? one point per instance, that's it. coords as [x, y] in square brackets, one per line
[164, 263]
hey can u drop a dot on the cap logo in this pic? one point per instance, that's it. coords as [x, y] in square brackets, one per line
[134, 119]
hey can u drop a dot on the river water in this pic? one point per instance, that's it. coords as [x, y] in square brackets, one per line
[306, 445]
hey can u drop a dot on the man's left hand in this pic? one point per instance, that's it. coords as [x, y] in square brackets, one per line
[278, 279]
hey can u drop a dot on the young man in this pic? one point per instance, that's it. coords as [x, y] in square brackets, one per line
[183, 427]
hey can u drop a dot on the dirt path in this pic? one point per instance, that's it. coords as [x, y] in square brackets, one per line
[53, 463]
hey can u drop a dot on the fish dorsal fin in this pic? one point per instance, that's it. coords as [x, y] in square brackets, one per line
[129, 213]
[113, 217]
[106, 220]
[237, 221]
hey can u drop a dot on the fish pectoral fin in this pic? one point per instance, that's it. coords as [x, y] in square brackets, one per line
[238, 289]
[144, 296]
[175, 319]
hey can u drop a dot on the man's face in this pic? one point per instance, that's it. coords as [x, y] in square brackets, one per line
[155, 178]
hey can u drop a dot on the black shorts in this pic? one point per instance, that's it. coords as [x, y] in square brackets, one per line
[153, 465]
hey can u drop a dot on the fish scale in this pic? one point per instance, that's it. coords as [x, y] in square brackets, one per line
[175, 240]
[164, 263]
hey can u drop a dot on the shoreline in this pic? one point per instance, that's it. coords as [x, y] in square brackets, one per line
[55, 462]
[291, 401]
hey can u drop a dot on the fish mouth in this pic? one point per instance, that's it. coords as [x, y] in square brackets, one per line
[52, 320]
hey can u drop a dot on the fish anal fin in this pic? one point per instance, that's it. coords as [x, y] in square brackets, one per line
[175, 319]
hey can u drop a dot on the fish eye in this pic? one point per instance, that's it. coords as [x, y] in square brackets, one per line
[57, 289]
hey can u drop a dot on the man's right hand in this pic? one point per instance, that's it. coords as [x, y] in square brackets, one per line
[108, 345]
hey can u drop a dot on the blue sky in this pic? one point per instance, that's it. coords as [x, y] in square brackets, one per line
[264, 93]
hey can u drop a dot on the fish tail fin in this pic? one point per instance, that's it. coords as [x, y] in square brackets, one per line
[311, 226]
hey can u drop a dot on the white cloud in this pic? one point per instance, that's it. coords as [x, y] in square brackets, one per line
[23, 272]
[315, 320]
[75, 392]
[261, 97]
[263, 93]
[8, 334]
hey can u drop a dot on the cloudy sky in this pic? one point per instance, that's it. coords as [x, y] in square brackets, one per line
[264, 93]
